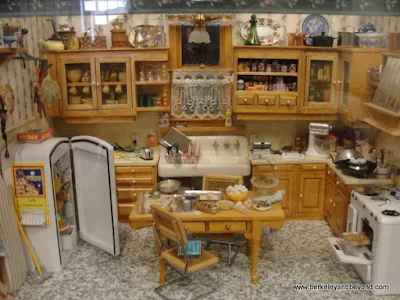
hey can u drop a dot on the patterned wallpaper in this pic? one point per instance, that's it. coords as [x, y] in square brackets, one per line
[22, 79]
[73, 7]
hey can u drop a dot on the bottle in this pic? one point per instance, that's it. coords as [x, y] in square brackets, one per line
[253, 38]
[73, 42]
[228, 119]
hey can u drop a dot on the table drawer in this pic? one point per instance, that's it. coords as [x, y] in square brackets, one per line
[125, 209]
[194, 227]
[131, 194]
[134, 180]
[313, 167]
[227, 227]
[276, 168]
[331, 174]
[288, 100]
[130, 170]
[245, 99]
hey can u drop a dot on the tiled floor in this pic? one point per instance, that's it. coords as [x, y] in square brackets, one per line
[297, 254]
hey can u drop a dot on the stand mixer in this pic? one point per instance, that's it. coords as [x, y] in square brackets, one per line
[315, 150]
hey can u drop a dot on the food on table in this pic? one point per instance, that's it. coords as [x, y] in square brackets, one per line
[224, 204]
[237, 189]
[262, 203]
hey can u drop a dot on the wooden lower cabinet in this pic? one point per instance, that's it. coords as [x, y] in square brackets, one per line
[337, 199]
[311, 193]
[131, 182]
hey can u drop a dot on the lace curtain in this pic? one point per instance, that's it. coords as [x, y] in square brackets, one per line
[201, 94]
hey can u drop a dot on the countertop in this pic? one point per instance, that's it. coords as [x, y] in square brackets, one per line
[348, 180]
[130, 159]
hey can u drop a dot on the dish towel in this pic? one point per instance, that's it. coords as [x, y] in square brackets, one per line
[14, 261]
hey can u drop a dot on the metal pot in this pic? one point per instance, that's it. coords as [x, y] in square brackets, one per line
[323, 40]
[348, 37]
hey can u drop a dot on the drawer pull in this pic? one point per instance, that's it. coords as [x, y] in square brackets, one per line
[98, 84]
[314, 167]
[334, 204]
[266, 101]
[186, 228]
[228, 227]
[93, 83]
[329, 172]
[288, 102]
[134, 181]
[133, 170]
[275, 168]
[330, 200]
[337, 182]
[134, 195]
[245, 100]
[301, 195]
[334, 83]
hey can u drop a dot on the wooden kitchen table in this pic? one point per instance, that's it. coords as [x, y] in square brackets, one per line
[228, 221]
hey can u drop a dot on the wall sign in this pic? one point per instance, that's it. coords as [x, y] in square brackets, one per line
[24, 8]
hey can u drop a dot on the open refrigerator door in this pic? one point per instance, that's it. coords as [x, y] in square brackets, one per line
[95, 191]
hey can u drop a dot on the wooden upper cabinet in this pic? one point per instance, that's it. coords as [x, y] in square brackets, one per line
[321, 82]
[311, 192]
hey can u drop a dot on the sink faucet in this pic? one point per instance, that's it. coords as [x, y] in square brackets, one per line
[237, 145]
[216, 145]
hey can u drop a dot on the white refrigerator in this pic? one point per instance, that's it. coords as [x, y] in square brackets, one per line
[64, 188]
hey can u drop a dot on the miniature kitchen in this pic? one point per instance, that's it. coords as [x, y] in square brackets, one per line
[187, 149]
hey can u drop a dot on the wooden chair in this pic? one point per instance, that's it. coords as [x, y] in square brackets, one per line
[216, 182]
[168, 227]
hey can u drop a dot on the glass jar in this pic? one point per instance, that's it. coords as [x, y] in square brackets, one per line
[159, 36]
[73, 41]
[149, 38]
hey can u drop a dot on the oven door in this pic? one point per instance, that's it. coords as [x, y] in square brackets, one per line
[352, 215]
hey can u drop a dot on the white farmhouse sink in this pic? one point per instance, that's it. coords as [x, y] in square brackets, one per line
[225, 161]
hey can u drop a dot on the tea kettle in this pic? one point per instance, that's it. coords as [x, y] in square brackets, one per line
[146, 153]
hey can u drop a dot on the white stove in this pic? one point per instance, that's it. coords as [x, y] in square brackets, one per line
[379, 263]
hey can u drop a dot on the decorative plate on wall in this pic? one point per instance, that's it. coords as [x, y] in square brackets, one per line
[269, 32]
[314, 25]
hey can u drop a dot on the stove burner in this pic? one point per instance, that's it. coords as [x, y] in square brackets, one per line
[392, 213]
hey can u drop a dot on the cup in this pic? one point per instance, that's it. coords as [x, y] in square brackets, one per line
[106, 89]
[118, 89]
[86, 90]
[186, 205]
[72, 90]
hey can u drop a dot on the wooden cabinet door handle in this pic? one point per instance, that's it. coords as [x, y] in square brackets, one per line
[330, 201]
[334, 204]
[98, 84]
[301, 195]
[329, 172]
[228, 227]
[337, 182]
[339, 82]
[334, 83]
[93, 83]
[186, 228]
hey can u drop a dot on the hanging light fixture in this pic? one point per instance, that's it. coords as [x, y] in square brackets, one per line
[199, 34]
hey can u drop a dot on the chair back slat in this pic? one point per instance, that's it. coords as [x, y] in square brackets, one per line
[168, 225]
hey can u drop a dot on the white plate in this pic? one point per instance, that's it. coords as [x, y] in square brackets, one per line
[269, 32]
[261, 208]
[228, 204]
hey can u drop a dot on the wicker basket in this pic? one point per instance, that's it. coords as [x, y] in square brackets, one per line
[100, 42]
[85, 42]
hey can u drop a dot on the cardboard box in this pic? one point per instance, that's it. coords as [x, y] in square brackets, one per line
[35, 135]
